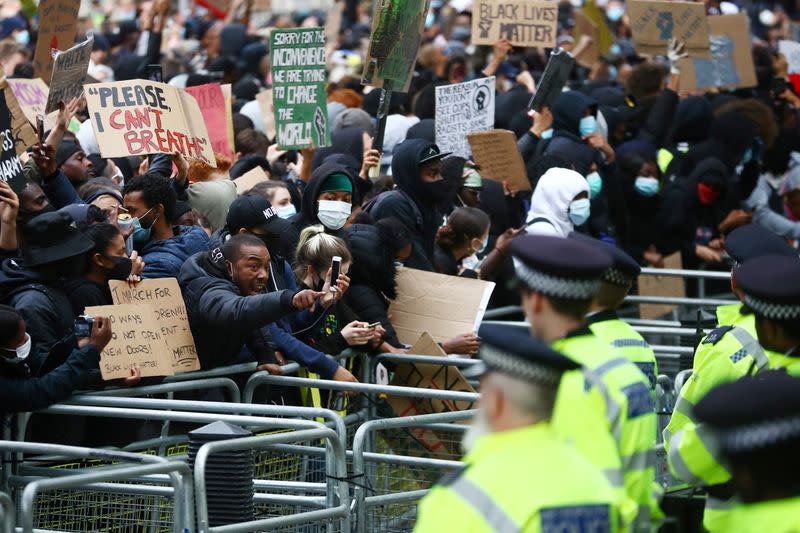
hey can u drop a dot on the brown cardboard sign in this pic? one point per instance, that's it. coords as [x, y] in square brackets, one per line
[58, 24]
[15, 134]
[140, 117]
[497, 155]
[444, 306]
[428, 376]
[650, 285]
[585, 26]
[32, 98]
[731, 64]
[136, 341]
[69, 72]
[264, 99]
[528, 23]
[250, 179]
[21, 130]
[654, 23]
[164, 300]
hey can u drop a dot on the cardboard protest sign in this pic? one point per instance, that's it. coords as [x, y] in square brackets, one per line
[333, 24]
[21, 130]
[11, 141]
[227, 94]
[444, 306]
[218, 8]
[397, 27]
[791, 51]
[162, 297]
[598, 18]
[463, 108]
[265, 105]
[654, 23]
[298, 88]
[69, 71]
[529, 23]
[32, 98]
[136, 341]
[731, 63]
[58, 24]
[250, 179]
[140, 117]
[650, 285]
[498, 158]
[211, 101]
[428, 376]
[586, 26]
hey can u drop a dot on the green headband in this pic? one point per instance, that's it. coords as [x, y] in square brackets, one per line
[336, 183]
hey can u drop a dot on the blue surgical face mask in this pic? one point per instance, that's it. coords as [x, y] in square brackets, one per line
[579, 211]
[484, 244]
[615, 13]
[23, 37]
[548, 133]
[612, 73]
[587, 126]
[646, 186]
[140, 234]
[595, 184]
[286, 211]
[748, 156]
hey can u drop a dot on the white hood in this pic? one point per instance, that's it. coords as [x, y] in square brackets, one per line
[554, 192]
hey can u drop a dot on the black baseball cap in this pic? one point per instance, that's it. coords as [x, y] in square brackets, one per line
[431, 152]
[254, 211]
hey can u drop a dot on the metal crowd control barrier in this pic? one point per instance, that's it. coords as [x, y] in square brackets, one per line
[390, 485]
[7, 513]
[336, 470]
[65, 508]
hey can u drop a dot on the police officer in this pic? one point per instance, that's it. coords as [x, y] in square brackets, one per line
[519, 474]
[759, 443]
[615, 284]
[559, 278]
[725, 354]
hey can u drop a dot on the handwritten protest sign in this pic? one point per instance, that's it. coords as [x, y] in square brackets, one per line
[397, 27]
[212, 105]
[69, 71]
[650, 285]
[598, 17]
[791, 51]
[265, 105]
[250, 179]
[32, 98]
[444, 306]
[529, 23]
[496, 154]
[14, 139]
[654, 23]
[298, 88]
[145, 117]
[136, 341]
[731, 63]
[584, 26]
[58, 24]
[162, 297]
[463, 108]
[428, 376]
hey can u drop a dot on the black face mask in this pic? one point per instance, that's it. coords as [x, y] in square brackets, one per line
[121, 270]
[437, 191]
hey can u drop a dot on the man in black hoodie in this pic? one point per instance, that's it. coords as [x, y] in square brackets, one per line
[327, 198]
[421, 190]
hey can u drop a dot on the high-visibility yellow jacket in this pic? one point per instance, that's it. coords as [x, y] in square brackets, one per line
[629, 413]
[522, 480]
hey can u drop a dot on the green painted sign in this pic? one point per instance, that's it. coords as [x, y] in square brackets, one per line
[298, 88]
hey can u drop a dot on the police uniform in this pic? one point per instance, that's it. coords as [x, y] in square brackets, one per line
[607, 326]
[761, 437]
[570, 269]
[725, 354]
[525, 479]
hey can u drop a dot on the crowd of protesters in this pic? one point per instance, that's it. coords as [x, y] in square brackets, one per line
[621, 156]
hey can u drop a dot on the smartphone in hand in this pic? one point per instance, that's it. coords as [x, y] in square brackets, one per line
[336, 265]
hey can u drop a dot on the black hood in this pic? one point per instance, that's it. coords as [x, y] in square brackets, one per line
[693, 120]
[13, 275]
[209, 265]
[569, 109]
[346, 141]
[405, 169]
[308, 209]
[373, 262]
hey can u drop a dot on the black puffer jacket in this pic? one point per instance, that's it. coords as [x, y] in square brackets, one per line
[372, 278]
[222, 320]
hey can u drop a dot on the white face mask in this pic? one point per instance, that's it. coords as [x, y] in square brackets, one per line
[286, 211]
[333, 214]
[25, 350]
